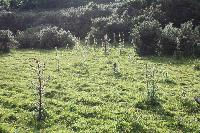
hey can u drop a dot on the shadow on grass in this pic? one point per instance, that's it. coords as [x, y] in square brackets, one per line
[155, 108]
[36, 125]
[174, 123]
[190, 106]
[133, 127]
[170, 60]
[5, 54]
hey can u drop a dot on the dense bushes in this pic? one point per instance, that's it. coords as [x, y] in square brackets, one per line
[151, 39]
[6, 41]
[18, 20]
[189, 38]
[153, 32]
[181, 11]
[146, 37]
[169, 40]
[114, 26]
[45, 38]
[76, 20]
[180, 37]
[36, 4]
[46, 4]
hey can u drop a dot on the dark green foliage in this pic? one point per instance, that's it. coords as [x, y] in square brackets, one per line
[15, 21]
[92, 19]
[146, 36]
[45, 38]
[197, 67]
[76, 20]
[4, 4]
[3, 130]
[180, 11]
[168, 41]
[132, 7]
[189, 40]
[110, 26]
[36, 4]
[151, 39]
[46, 4]
[6, 40]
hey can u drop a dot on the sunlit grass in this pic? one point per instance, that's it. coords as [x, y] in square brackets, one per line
[87, 96]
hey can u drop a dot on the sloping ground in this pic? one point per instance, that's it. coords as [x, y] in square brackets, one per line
[77, 20]
[86, 96]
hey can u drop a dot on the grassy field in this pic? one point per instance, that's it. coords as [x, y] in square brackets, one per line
[87, 96]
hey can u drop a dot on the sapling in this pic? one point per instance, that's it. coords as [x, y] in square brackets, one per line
[105, 43]
[178, 52]
[67, 46]
[151, 86]
[114, 38]
[57, 59]
[40, 83]
[121, 44]
[95, 43]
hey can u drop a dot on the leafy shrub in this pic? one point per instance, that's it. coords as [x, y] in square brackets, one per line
[146, 36]
[47, 37]
[29, 38]
[188, 39]
[95, 36]
[110, 26]
[155, 12]
[168, 40]
[51, 37]
[6, 40]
